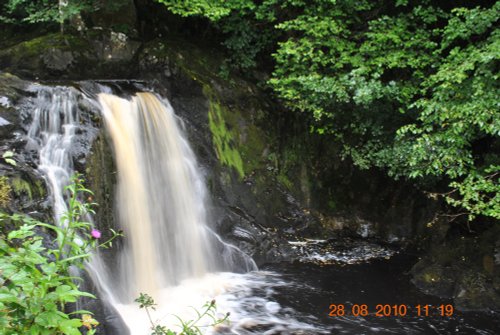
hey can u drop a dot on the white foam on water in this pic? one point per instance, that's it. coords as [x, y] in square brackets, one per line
[325, 252]
[247, 297]
[5, 102]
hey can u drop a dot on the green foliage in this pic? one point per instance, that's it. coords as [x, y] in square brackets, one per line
[8, 157]
[409, 87]
[36, 282]
[478, 194]
[214, 10]
[241, 21]
[29, 11]
[23, 12]
[189, 327]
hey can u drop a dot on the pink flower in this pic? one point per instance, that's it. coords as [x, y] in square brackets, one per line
[95, 233]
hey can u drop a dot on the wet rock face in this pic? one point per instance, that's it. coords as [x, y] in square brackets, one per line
[11, 88]
[247, 207]
[100, 173]
[57, 60]
[26, 190]
[114, 47]
[279, 182]
[464, 269]
[97, 53]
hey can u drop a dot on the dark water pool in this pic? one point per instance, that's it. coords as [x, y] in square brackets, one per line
[314, 291]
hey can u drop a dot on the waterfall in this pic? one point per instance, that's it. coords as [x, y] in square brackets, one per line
[169, 247]
[51, 134]
[160, 197]
[170, 251]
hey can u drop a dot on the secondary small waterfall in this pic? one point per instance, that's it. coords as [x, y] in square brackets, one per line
[51, 133]
[160, 198]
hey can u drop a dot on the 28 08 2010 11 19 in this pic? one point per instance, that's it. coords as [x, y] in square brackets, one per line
[388, 310]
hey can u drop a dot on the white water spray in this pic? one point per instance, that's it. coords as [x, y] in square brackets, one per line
[170, 252]
[160, 198]
[51, 133]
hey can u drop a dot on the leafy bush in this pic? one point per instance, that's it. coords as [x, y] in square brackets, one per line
[36, 281]
[24, 12]
[410, 87]
[29, 11]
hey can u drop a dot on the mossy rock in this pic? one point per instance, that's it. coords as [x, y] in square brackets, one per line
[173, 55]
[10, 86]
[5, 192]
[475, 292]
[101, 179]
[27, 190]
[238, 143]
[22, 190]
[50, 54]
[463, 268]
[32, 189]
[97, 54]
[434, 279]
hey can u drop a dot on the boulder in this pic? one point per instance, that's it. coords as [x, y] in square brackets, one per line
[99, 53]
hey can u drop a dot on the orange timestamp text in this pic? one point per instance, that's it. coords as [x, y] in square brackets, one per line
[388, 310]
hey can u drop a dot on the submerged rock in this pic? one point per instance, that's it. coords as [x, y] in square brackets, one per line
[463, 268]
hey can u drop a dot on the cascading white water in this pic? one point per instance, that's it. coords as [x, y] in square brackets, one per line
[51, 133]
[169, 249]
[161, 207]
[160, 198]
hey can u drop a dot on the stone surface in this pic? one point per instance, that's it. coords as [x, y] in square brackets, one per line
[97, 53]
[113, 47]
[27, 189]
[464, 269]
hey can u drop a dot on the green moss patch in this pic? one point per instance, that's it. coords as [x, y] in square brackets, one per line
[24, 188]
[223, 139]
[238, 143]
[5, 191]
[29, 54]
